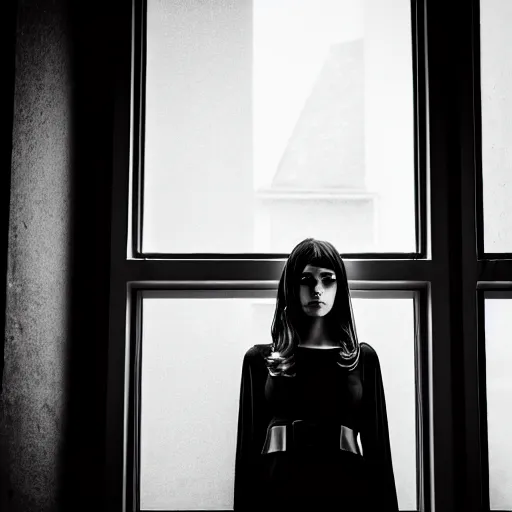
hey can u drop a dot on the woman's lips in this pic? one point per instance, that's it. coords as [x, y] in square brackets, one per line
[316, 303]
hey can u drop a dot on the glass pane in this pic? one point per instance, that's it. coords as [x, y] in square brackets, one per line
[496, 80]
[191, 364]
[268, 122]
[498, 326]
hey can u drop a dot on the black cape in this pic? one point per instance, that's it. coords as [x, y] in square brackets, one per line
[321, 390]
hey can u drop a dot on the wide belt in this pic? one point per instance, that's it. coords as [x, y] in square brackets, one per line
[311, 436]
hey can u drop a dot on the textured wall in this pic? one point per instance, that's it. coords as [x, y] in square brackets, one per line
[52, 405]
[38, 258]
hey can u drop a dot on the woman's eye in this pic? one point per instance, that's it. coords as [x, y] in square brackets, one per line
[311, 281]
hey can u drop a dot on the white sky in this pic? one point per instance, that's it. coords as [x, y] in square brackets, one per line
[291, 42]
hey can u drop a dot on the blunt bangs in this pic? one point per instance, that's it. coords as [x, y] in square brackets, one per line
[312, 252]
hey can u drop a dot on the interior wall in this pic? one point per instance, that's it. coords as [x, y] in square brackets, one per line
[52, 406]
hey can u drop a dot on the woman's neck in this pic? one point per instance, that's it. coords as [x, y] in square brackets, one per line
[316, 334]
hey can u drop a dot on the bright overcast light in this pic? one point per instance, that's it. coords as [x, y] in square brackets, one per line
[291, 41]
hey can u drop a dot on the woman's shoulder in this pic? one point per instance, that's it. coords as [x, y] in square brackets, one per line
[368, 352]
[258, 353]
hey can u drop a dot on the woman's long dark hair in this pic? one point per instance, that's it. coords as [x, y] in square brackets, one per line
[289, 318]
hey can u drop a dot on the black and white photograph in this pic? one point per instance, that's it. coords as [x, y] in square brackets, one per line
[257, 256]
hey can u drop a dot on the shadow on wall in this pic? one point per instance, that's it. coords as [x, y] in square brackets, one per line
[93, 42]
[7, 49]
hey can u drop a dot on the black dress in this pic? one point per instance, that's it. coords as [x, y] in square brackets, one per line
[324, 479]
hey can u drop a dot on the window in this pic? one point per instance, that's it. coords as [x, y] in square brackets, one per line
[277, 111]
[192, 345]
[496, 72]
[205, 140]
[497, 309]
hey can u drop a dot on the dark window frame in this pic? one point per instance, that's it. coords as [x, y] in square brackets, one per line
[448, 270]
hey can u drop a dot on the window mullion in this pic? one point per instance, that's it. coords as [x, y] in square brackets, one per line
[161, 272]
[119, 335]
[495, 271]
[447, 448]
[476, 496]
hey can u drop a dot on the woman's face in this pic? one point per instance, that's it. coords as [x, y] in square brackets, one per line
[317, 290]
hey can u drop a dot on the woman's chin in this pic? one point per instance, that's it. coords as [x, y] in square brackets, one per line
[315, 313]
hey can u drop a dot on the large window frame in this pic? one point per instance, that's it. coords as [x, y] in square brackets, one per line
[447, 272]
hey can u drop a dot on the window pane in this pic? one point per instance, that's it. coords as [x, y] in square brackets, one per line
[268, 122]
[498, 326]
[191, 367]
[496, 71]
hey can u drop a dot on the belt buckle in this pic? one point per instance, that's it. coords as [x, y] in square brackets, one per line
[306, 435]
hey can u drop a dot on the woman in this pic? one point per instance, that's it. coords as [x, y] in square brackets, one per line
[312, 426]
